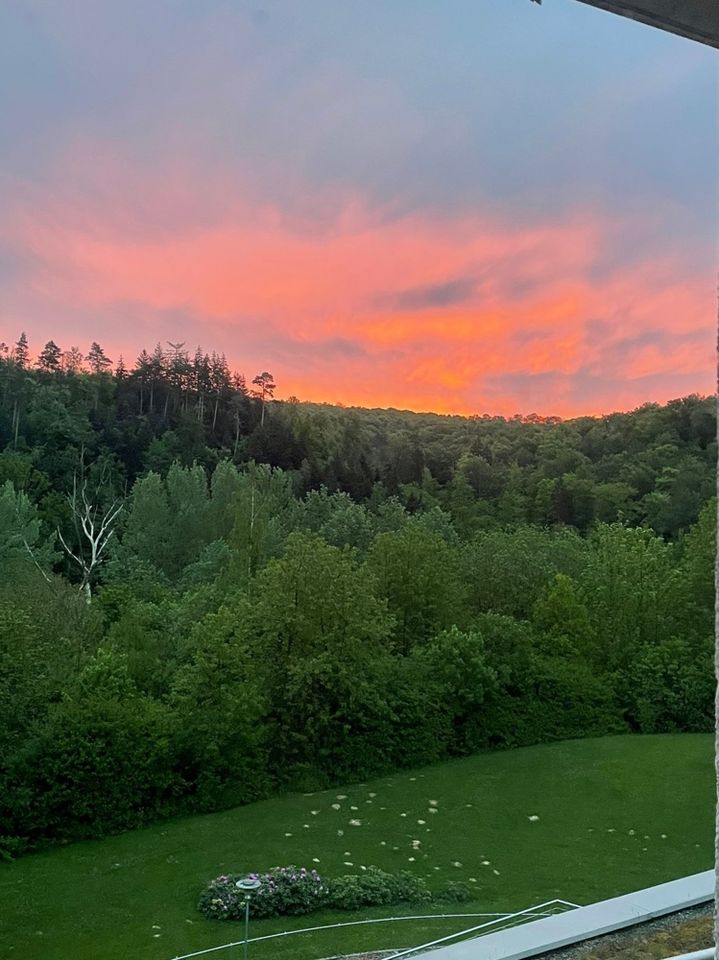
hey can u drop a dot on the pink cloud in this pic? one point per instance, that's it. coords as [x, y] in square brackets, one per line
[243, 277]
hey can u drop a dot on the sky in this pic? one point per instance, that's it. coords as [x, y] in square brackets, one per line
[465, 206]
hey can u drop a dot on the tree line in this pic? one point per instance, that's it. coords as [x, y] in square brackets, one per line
[406, 590]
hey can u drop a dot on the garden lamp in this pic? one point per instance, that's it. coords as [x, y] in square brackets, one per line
[247, 886]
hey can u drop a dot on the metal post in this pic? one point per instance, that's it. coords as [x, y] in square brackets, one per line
[247, 922]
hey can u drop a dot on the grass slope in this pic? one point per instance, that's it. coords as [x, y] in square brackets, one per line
[615, 814]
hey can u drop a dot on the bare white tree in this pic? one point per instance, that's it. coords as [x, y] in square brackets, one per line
[94, 526]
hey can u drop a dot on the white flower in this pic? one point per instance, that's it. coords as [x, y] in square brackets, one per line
[486, 863]
[341, 796]
[533, 818]
[373, 794]
[314, 812]
[362, 867]
[403, 814]
[340, 833]
[413, 778]
[410, 859]
[472, 879]
[421, 822]
[433, 803]
[395, 848]
[496, 872]
[315, 859]
[288, 834]
[664, 836]
[306, 826]
[468, 804]
[456, 863]
[348, 853]
[383, 843]
[432, 810]
[631, 833]
[415, 844]
[348, 863]
[611, 830]
[368, 801]
[354, 808]
[435, 868]
[336, 806]
[355, 823]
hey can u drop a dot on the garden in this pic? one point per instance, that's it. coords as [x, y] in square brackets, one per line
[578, 820]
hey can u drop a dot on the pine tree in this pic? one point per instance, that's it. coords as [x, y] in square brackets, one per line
[97, 360]
[50, 357]
[265, 388]
[21, 354]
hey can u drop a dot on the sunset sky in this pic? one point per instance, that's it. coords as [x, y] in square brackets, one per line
[458, 205]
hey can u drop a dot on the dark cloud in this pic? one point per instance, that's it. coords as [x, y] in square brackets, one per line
[446, 294]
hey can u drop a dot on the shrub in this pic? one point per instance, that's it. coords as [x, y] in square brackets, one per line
[288, 891]
[455, 892]
[283, 891]
[374, 888]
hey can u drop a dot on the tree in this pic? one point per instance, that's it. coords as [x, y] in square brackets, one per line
[94, 527]
[265, 387]
[72, 360]
[419, 575]
[20, 538]
[50, 357]
[97, 360]
[21, 354]
[318, 628]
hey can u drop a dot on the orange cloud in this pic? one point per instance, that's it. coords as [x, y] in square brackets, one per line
[414, 311]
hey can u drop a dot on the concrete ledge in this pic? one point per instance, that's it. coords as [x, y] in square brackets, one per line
[586, 923]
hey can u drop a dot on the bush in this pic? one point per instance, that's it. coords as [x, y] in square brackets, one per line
[375, 887]
[283, 891]
[290, 891]
[454, 892]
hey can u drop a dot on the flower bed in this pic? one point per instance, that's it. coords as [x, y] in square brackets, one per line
[291, 891]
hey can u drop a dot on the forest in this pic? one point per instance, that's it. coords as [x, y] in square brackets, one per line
[208, 596]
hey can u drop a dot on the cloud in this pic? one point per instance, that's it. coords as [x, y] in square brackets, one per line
[466, 313]
[446, 294]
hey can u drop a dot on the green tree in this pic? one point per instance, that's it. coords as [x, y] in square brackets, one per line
[418, 573]
[50, 357]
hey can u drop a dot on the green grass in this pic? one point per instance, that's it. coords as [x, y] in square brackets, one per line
[109, 899]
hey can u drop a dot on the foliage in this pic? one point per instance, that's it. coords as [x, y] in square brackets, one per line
[289, 891]
[283, 892]
[295, 594]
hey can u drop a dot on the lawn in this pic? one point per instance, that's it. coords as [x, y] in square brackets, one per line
[607, 816]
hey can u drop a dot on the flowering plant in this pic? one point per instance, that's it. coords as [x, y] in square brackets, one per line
[283, 891]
